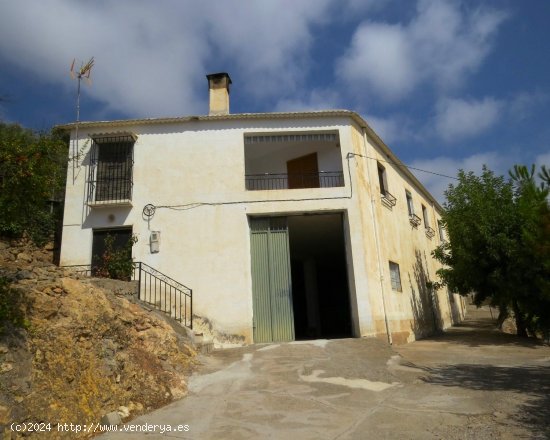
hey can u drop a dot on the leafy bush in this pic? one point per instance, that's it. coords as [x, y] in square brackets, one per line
[116, 263]
[32, 173]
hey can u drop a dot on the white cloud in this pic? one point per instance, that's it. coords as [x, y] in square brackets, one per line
[391, 129]
[381, 55]
[522, 105]
[440, 45]
[269, 40]
[151, 57]
[497, 162]
[457, 119]
[314, 100]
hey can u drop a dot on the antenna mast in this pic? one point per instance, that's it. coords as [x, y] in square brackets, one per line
[84, 72]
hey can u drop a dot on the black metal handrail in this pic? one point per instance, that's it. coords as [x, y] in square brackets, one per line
[272, 181]
[157, 289]
[165, 293]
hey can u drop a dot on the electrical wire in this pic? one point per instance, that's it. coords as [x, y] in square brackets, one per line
[405, 166]
[350, 155]
[188, 206]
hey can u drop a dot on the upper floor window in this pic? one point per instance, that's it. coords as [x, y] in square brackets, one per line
[111, 168]
[387, 198]
[410, 205]
[429, 231]
[382, 179]
[441, 227]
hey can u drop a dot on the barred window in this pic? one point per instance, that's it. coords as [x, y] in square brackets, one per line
[112, 164]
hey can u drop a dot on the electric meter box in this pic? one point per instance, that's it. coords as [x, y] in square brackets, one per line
[154, 242]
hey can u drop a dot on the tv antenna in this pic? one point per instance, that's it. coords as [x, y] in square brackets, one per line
[84, 72]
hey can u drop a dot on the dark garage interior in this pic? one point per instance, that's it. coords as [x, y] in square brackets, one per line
[320, 289]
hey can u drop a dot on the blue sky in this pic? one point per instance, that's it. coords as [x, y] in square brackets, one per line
[447, 84]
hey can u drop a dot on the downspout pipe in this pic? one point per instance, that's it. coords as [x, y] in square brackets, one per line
[376, 239]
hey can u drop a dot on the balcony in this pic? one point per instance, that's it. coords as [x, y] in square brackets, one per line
[388, 199]
[292, 160]
[429, 232]
[107, 191]
[274, 181]
[414, 220]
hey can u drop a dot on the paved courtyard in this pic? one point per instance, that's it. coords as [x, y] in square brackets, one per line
[469, 383]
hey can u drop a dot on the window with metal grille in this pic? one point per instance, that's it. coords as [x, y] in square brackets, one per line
[111, 169]
[395, 277]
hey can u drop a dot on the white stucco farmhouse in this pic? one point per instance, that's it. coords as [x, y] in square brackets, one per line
[286, 226]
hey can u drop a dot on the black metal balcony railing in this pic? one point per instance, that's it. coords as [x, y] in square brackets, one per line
[156, 289]
[272, 181]
[110, 189]
[414, 220]
[388, 199]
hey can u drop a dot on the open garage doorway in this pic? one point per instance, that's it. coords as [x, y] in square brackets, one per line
[300, 278]
[320, 288]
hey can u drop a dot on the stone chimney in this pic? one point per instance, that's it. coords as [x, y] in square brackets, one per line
[218, 85]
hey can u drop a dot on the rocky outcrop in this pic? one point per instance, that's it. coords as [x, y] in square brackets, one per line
[84, 348]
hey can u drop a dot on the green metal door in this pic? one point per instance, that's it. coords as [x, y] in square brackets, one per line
[271, 281]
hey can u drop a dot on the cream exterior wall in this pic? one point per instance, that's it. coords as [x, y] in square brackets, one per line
[207, 246]
[408, 312]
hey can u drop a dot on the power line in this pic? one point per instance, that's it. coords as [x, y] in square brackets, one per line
[186, 206]
[405, 166]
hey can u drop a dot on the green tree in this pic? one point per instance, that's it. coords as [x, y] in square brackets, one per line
[32, 172]
[532, 254]
[498, 245]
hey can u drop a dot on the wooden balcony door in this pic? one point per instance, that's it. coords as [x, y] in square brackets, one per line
[303, 172]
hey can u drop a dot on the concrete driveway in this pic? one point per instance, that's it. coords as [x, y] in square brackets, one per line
[469, 383]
